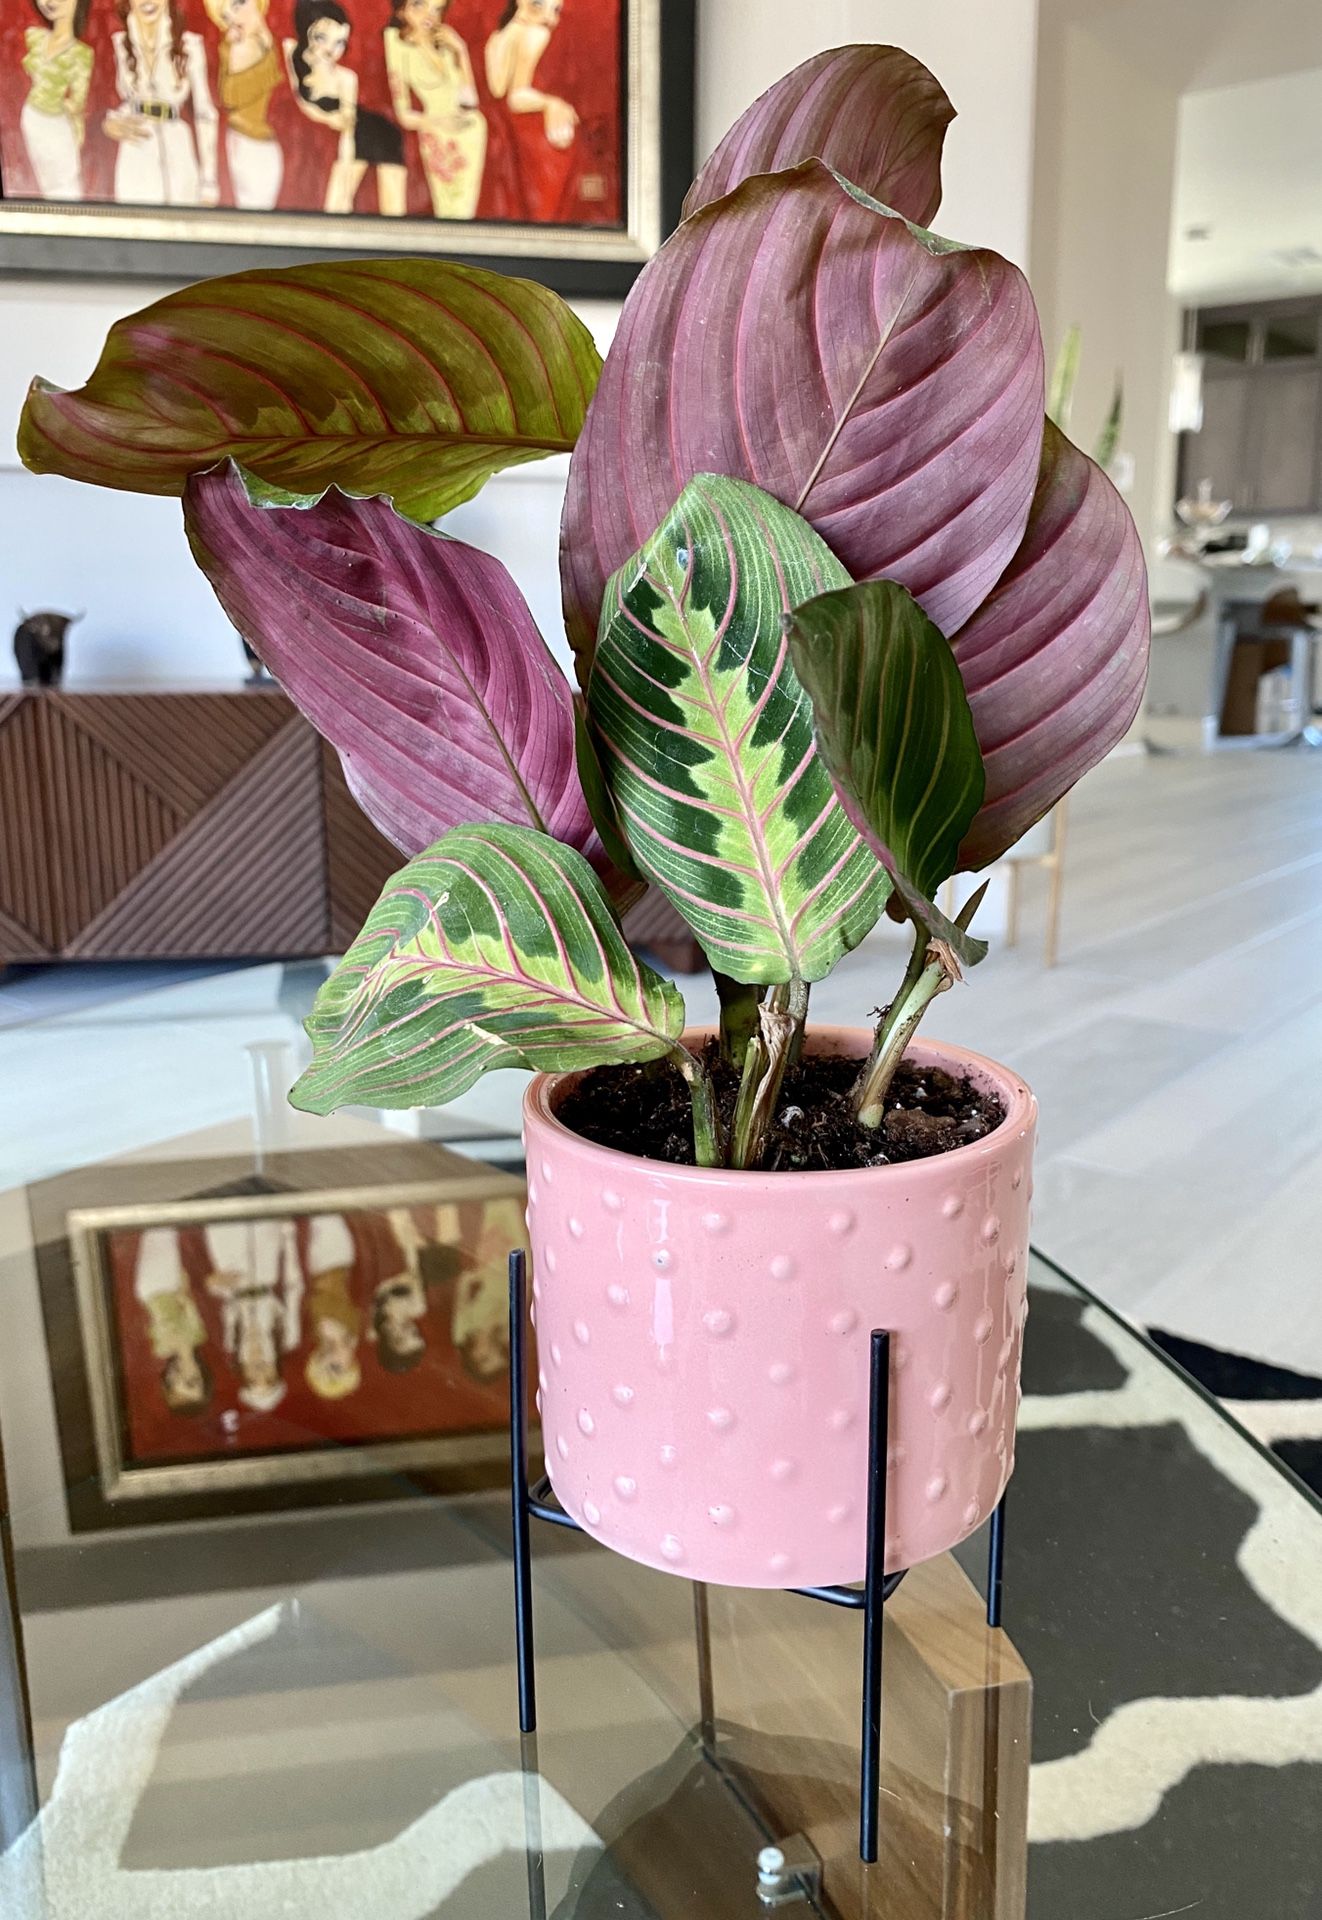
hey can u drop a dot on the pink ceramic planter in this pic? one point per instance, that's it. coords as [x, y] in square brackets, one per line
[703, 1343]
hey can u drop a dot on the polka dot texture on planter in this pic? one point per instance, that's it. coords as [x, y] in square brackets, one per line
[706, 1409]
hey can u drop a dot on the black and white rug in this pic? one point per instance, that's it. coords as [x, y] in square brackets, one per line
[1280, 1408]
[1164, 1585]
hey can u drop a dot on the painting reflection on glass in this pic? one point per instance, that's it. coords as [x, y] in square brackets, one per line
[296, 1330]
[458, 110]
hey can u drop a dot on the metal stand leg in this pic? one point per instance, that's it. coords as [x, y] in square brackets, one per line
[706, 1693]
[996, 1563]
[874, 1595]
[523, 1622]
[539, 1503]
[533, 1849]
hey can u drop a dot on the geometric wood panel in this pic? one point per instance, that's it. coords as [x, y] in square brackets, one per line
[30, 925]
[246, 875]
[184, 746]
[159, 825]
[107, 821]
[172, 825]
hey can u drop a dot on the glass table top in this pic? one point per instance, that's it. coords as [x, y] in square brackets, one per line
[265, 1696]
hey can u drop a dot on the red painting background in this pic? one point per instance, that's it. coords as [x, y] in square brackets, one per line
[581, 64]
[437, 1396]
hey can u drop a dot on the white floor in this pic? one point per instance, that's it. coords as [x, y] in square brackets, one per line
[1176, 1050]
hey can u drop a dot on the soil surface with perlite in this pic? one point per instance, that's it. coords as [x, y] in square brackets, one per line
[646, 1111]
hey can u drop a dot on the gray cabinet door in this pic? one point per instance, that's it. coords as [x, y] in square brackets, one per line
[1217, 452]
[1281, 446]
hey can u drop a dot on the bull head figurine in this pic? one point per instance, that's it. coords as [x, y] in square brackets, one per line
[39, 646]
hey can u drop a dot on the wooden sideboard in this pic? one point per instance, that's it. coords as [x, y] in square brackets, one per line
[158, 825]
[164, 825]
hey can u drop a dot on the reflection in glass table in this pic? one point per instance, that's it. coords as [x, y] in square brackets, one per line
[312, 1713]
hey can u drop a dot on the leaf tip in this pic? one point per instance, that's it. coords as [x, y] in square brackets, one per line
[304, 1096]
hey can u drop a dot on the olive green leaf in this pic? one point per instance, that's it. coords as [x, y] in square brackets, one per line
[495, 948]
[706, 737]
[417, 379]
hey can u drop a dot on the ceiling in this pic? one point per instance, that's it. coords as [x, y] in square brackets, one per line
[1249, 164]
[1194, 44]
[1246, 221]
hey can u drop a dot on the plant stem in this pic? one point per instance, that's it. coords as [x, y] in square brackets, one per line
[800, 1027]
[780, 1022]
[738, 1017]
[891, 1015]
[708, 1134]
[932, 968]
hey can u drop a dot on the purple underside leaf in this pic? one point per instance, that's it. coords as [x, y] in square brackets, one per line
[873, 113]
[413, 654]
[883, 384]
[1055, 660]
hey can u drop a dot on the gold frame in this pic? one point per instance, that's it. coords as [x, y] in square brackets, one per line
[639, 239]
[121, 1480]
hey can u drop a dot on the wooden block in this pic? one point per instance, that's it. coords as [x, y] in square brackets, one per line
[786, 1676]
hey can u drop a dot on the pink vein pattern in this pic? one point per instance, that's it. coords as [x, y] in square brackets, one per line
[497, 948]
[706, 737]
[1055, 661]
[886, 386]
[413, 378]
[413, 654]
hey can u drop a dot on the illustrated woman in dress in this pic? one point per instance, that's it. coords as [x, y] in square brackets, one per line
[159, 70]
[250, 72]
[59, 64]
[543, 127]
[256, 1277]
[332, 1313]
[175, 1328]
[327, 92]
[434, 93]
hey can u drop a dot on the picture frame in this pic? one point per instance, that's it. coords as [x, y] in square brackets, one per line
[109, 1283]
[640, 187]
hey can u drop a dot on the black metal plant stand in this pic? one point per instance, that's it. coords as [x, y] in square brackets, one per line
[538, 1502]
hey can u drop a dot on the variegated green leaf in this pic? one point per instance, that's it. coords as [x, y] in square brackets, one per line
[893, 723]
[495, 948]
[706, 737]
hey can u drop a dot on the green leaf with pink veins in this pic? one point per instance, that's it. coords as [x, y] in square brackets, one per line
[496, 948]
[706, 737]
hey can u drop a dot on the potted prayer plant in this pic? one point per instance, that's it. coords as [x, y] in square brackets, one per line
[848, 617]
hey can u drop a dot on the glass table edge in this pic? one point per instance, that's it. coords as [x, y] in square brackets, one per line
[1139, 1333]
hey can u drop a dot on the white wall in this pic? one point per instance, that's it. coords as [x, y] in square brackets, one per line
[1104, 177]
[123, 556]
[120, 556]
[982, 51]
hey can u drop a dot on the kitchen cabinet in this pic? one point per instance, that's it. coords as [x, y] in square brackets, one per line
[1281, 439]
[1216, 451]
[1260, 443]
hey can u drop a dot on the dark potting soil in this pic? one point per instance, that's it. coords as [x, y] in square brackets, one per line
[646, 1110]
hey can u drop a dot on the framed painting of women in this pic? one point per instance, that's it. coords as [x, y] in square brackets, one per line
[552, 138]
